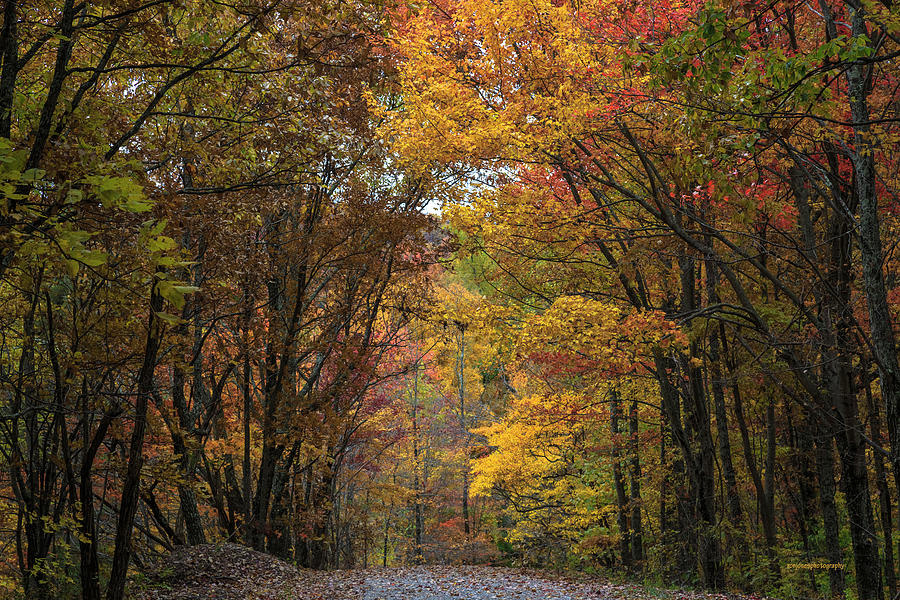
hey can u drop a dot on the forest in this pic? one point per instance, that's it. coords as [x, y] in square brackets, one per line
[600, 287]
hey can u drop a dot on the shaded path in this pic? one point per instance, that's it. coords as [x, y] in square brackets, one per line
[468, 583]
[233, 572]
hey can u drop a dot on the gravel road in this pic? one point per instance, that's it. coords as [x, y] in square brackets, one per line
[468, 583]
[232, 572]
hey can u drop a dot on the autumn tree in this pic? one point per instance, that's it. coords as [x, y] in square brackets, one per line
[685, 165]
[186, 189]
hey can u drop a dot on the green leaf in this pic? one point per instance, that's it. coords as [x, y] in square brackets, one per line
[168, 290]
[93, 258]
[137, 205]
[74, 196]
[165, 261]
[74, 236]
[119, 192]
[161, 243]
[168, 318]
[33, 175]
[187, 289]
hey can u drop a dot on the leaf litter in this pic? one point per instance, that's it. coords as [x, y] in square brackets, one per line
[234, 572]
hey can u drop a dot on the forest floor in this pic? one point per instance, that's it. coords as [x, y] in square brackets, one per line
[233, 572]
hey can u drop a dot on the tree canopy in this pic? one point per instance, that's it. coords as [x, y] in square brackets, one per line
[608, 286]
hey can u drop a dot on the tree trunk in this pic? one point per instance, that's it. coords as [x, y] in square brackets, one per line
[871, 255]
[418, 512]
[90, 562]
[247, 491]
[698, 445]
[637, 543]
[465, 428]
[683, 535]
[855, 485]
[128, 506]
[764, 496]
[187, 499]
[715, 365]
[386, 531]
[884, 496]
[825, 472]
[724, 443]
[615, 411]
[769, 523]
[802, 444]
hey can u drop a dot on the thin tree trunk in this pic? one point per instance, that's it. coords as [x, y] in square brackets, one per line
[698, 445]
[855, 485]
[130, 491]
[715, 365]
[89, 560]
[187, 498]
[764, 496]
[386, 530]
[272, 451]
[418, 516]
[663, 482]
[621, 498]
[465, 429]
[637, 543]
[771, 539]
[246, 465]
[802, 446]
[884, 496]
[724, 443]
[683, 534]
[825, 472]
[193, 524]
